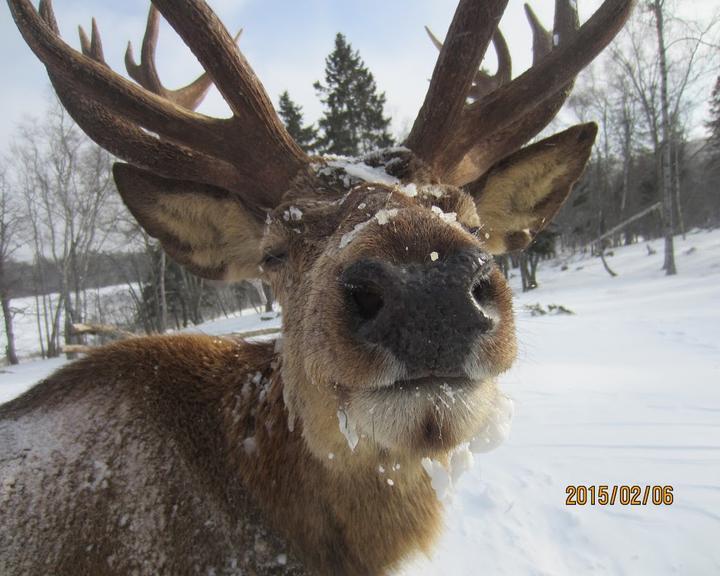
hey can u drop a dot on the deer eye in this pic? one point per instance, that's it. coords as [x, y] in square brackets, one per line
[472, 230]
[274, 258]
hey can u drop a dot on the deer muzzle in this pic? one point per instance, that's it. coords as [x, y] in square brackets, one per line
[429, 315]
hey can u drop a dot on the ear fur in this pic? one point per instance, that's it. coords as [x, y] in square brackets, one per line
[204, 228]
[521, 194]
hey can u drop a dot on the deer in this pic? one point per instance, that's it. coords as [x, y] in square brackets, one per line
[194, 454]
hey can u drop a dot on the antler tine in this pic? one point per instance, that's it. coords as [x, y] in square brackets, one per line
[567, 21]
[146, 74]
[503, 74]
[542, 38]
[484, 83]
[503, 120]
[434, 39]
[465, 45]
[504, 65]
[209, 40]
[93, 46]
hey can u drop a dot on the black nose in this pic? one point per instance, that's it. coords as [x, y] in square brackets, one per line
[428, 315]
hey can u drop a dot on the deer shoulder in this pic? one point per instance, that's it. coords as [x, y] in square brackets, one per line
[150, 448]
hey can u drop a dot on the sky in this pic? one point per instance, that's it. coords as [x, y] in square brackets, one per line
[286, 43]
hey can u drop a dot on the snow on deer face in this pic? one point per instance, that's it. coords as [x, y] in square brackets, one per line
[396, 318]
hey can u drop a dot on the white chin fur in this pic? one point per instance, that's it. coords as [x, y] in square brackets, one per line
[392, 418]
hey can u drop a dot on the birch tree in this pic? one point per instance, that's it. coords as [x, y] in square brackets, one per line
[10, 241]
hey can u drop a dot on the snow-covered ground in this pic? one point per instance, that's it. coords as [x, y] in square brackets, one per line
[624, 392]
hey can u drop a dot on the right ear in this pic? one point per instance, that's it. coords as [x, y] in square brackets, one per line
[204, 228]
[521, 194]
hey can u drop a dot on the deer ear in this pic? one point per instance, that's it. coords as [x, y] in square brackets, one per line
[204, 228]
[521, 194]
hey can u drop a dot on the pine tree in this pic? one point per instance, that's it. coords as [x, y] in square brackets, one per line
[714, 124]
[291, 115]
[353, 122]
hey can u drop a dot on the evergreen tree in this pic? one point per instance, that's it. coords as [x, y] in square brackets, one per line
[714, 124]
[353, 122]
[291, 115]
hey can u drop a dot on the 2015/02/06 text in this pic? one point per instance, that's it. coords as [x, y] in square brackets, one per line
[625, 495]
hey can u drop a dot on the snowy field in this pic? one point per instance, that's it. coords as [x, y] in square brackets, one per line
[624, 392]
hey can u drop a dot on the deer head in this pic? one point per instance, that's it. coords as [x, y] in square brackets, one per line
[383, 264]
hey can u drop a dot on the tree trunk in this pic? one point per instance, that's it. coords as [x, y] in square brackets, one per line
[534, 260]
[9, 334]
[38, 323]
[627, 155]
[69, 319]
[162, 297]
[504, 264]
[526, 275]
[194, 288]
[522, 264]
[268, 297]
[666, 149]
[676, 186]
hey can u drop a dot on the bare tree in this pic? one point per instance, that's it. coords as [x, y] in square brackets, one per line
[594, 99]
[10, 225]
[666, 146]
[67, 188]
[662, 79]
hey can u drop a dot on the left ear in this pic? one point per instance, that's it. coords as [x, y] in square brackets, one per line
[521, 194]
[205, 228]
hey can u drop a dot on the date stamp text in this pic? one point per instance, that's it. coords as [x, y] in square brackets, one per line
[624, 495]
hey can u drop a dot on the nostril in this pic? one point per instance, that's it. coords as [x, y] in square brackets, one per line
[482, 291]
[367, 285]
[367, 299]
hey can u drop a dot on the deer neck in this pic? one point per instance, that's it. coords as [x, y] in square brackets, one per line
[343, 503]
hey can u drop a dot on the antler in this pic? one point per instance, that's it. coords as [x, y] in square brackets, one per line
[484, 83]
[462, 141]
[250, 154]
[146, 74]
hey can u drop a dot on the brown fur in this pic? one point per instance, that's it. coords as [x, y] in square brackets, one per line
[193, 427]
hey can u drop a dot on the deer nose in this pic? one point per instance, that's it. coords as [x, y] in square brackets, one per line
[428, 315]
